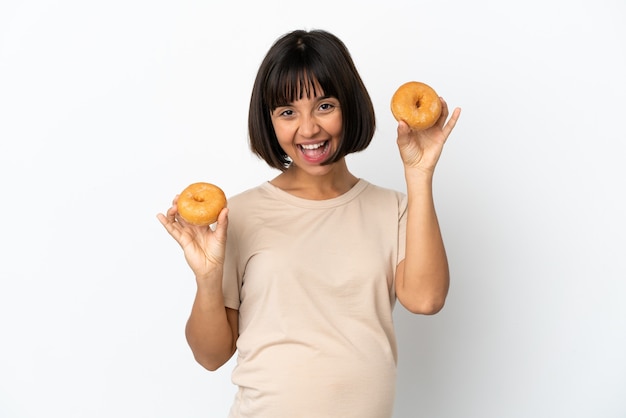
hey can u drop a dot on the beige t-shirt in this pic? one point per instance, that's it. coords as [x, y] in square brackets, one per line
[314, 285]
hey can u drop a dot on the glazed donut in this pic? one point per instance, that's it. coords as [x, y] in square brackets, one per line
[201, 203]
[417, 104]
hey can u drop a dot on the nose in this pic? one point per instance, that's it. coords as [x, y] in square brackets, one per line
[309, 126]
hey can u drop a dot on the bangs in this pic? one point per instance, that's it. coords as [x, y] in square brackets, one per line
[296, 82]
[311, 64]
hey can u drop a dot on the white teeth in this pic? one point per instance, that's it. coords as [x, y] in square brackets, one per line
[312, 146]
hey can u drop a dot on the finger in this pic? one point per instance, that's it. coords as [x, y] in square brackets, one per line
[162, 218]
[403, 127]
[444, 113]
[170, 226]
[403, 131]
[447, 129]
[222, 223]
[222, 218]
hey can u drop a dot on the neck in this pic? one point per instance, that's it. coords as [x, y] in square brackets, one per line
[335, 181]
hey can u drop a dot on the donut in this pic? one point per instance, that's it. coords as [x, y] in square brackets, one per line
[201, 203]
[417, 104]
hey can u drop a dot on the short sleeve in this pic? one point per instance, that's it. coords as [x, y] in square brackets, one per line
[402, 214]
[232, 275]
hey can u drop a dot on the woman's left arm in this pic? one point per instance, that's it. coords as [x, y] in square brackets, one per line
[422, 278]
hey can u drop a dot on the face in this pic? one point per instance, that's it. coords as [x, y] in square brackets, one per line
[309, 131]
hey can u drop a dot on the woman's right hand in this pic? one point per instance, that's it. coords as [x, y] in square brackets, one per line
[204, 247]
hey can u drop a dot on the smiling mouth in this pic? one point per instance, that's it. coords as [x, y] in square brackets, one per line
[313, 147]
[315, 152]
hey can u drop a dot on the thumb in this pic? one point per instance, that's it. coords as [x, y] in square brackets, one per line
[404, 132]
[222, 223]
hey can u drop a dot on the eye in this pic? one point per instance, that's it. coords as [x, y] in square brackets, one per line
[328, 104]
[283, 112]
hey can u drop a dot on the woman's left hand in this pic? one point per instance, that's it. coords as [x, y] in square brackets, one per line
[421, 149]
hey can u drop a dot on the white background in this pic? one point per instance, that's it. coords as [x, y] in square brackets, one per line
[108, 109]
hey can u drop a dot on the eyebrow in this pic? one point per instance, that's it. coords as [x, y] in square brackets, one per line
[318, 99]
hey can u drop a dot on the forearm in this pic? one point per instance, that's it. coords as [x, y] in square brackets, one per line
[209, 331]
[424, 281]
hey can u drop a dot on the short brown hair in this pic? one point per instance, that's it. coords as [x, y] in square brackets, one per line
[297, 60]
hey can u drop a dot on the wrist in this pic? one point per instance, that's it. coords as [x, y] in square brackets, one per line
[418, 176]
[210, 279]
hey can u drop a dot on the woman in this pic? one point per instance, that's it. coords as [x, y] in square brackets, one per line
[300, 274]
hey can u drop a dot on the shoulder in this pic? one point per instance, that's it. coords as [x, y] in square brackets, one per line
[244, 198]
[383, 193]
[251, 203]
[386, 200]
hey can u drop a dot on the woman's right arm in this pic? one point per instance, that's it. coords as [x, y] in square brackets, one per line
[212, 328]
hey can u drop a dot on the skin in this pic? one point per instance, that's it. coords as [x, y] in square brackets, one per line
[422, 278]
[309, 122]
[212, 329]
